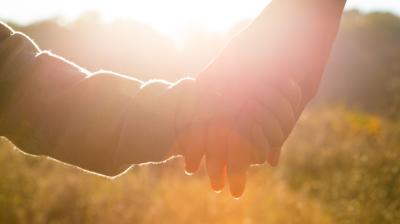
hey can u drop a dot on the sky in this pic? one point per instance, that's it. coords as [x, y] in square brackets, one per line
[165, 15]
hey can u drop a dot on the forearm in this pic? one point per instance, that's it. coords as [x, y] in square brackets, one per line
[101, 122]
[308, 28]
[28, 77]
[289, 39]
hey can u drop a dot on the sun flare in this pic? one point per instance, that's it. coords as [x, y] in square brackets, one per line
[166, 16]
[170, 16]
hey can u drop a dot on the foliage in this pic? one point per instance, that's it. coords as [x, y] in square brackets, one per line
[364, 70]
[339, 167]
[41, 191]
[350, 162]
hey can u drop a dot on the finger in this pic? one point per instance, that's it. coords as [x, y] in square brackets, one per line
[238, 162]
[269, 123]
[292, 91]
[239, 156]
[273, 156]
[272, 132]
[279, 106]
[216, 156]
[194, 148]
[260, 145]
[190, 129]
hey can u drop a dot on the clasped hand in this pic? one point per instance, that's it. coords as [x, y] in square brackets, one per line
[251, 108]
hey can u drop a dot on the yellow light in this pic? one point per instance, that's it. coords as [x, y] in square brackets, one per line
[168, 16]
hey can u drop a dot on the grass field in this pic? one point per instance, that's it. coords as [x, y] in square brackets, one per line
[339, 166]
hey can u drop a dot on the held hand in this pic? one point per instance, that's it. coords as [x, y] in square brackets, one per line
[261, 101]
[230, 140]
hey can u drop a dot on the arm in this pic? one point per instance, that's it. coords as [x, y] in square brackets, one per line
[304, 32]
[266, 75]
[290, 41]
[101, 122]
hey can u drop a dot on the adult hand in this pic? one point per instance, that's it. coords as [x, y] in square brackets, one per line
[254, 134]
[261, 101]
[236, 134]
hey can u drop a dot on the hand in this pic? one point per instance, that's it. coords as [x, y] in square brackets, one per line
[259, 110]
[254, 134]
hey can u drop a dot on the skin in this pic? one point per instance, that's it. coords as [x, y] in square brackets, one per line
[265, 94]
[253, 95]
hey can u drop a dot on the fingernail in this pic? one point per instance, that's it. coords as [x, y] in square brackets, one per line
[218, 191]
[188, 173]
[273, 158]
[217, 186]
[190, 169]
[237, 191]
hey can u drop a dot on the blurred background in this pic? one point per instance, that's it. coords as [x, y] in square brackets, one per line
[341, 164]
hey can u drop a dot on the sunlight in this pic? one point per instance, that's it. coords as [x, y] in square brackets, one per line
[170, 16]
[165, 16]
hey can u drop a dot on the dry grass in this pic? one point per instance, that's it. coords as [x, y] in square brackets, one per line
[339, 167]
